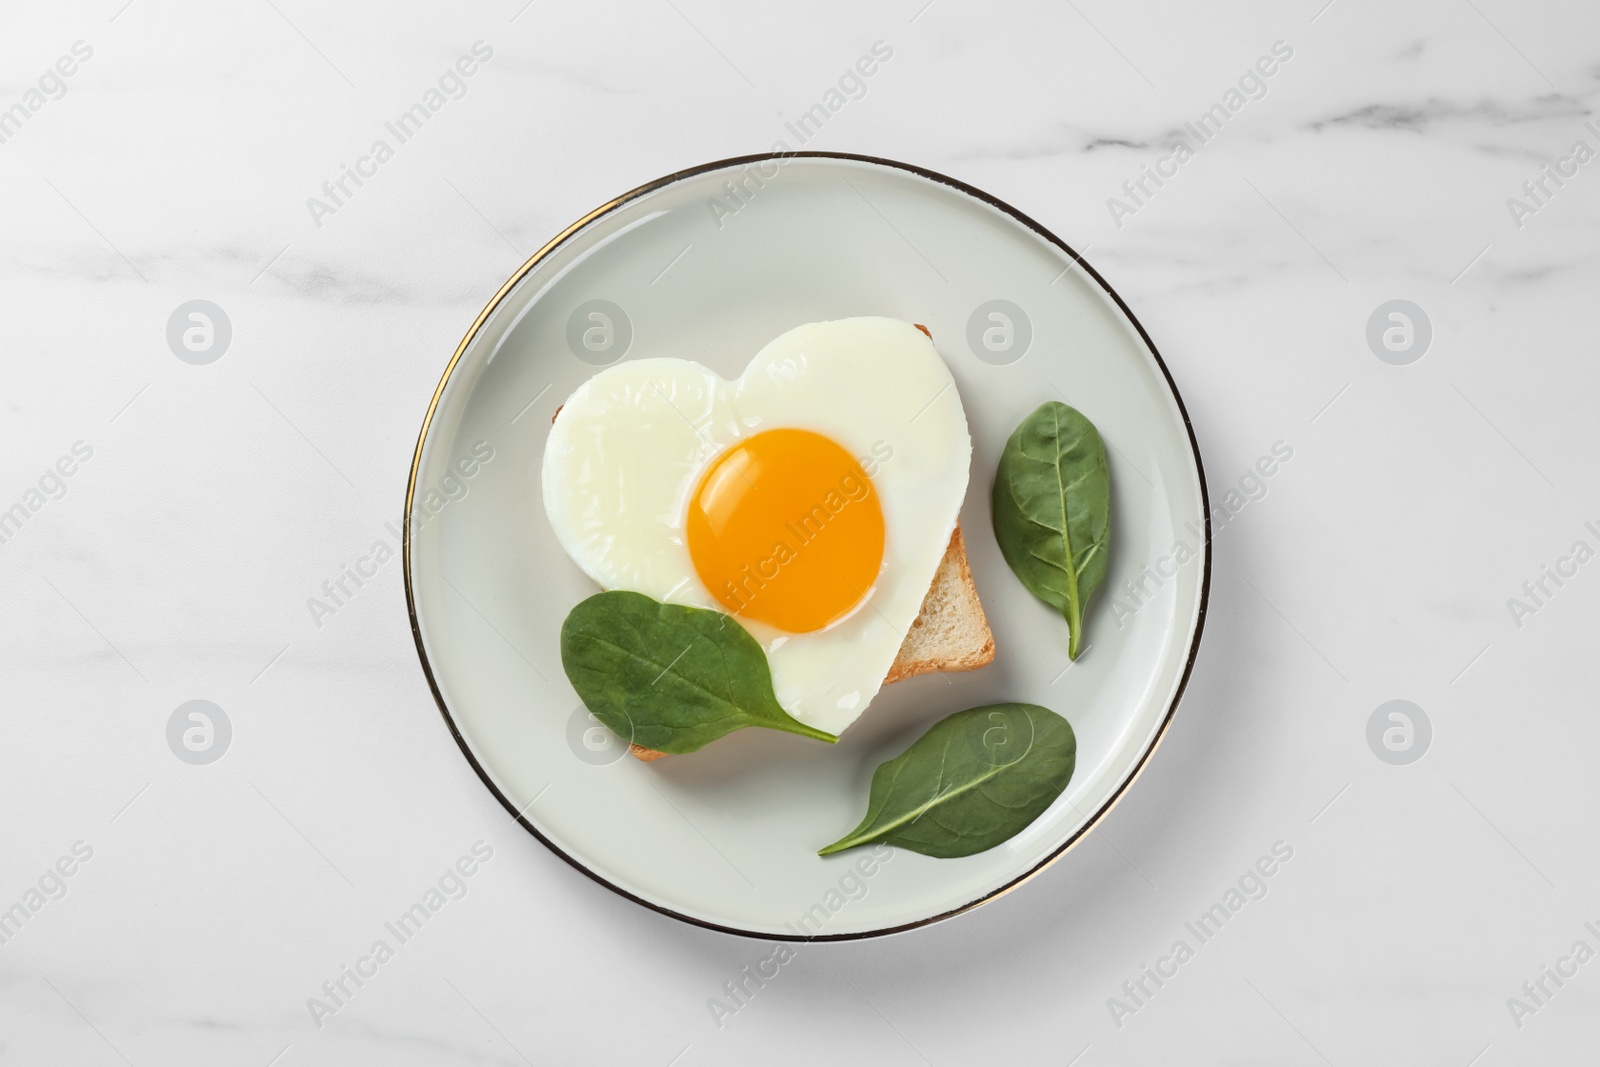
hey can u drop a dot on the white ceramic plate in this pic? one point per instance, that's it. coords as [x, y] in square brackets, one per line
[711, 264]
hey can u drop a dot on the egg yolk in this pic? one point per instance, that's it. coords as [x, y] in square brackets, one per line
[785, 527]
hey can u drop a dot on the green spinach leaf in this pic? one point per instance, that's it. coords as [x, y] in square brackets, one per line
[975, 779]
[1052, 510]
[669, 677]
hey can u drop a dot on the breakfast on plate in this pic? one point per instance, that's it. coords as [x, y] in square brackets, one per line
[772, 550]
[813, 498]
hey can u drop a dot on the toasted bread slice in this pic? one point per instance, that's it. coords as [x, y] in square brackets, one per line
[950, 633]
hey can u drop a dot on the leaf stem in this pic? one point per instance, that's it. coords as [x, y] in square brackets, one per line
[1074, 611]
[795, 726]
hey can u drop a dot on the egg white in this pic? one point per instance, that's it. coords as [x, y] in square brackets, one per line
[628, 448]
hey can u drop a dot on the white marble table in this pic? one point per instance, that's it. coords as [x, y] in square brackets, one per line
[207, 501]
